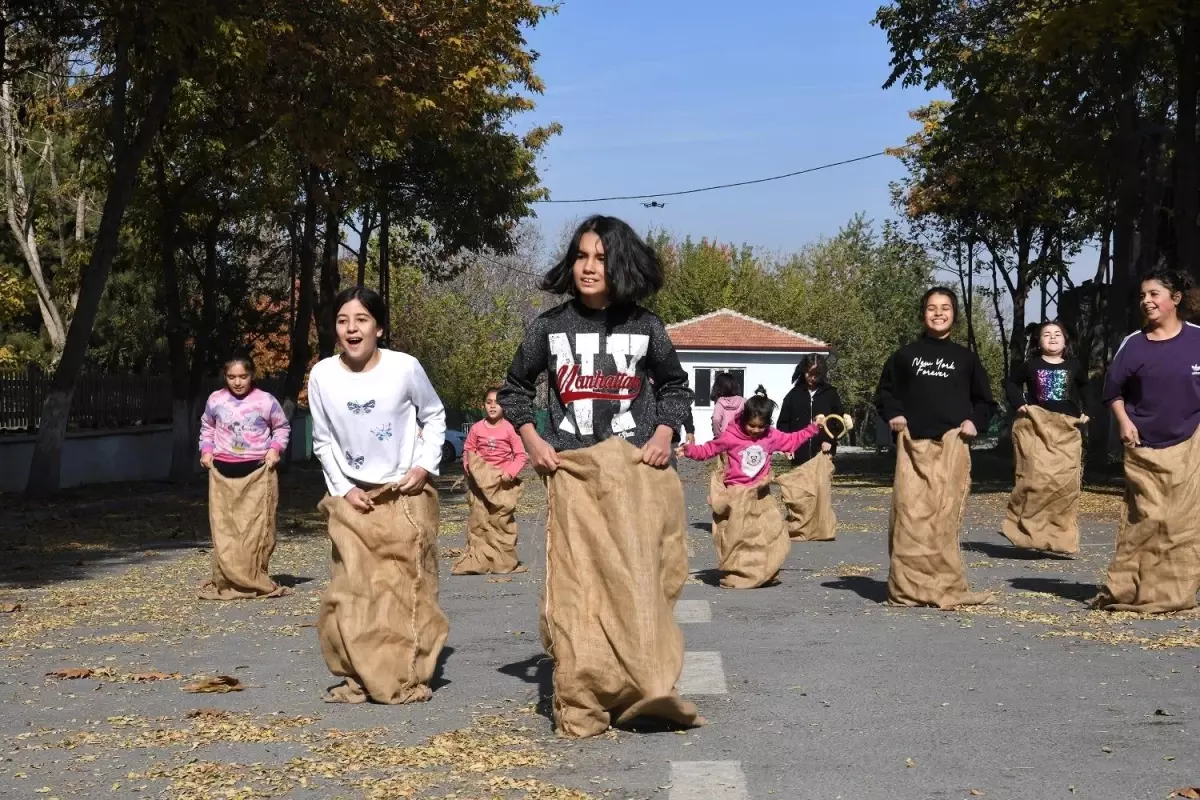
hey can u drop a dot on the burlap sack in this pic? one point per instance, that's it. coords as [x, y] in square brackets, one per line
[491, 522]
[241, 514]
[807, 493]
[748, 533]
[1043, 509]
[933, 479]
[616, 560]
[1156, 566]
[380, 624]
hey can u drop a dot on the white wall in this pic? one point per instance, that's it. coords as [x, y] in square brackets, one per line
[772, 370]
[109, 456]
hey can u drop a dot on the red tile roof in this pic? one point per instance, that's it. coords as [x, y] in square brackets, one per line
[728, 330]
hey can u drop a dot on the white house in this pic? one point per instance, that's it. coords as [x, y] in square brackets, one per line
[756, 352]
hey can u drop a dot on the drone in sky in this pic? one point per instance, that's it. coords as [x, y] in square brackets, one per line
[654, 204]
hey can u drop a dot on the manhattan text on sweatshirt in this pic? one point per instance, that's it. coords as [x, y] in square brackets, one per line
[612, 372]
[936, 385]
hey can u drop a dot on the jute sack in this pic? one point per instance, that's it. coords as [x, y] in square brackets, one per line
[933, 479]
[748, 533]
[616, 561]
[807, 493]
[1043, 509]
[380, 624]
[491, 522]
[1156, 566]
[241, 514]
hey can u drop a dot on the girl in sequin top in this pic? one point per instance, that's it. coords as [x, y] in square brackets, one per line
[1051, 378]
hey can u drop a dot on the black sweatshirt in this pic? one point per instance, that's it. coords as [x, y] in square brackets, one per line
[1054, 387]
[600, 365]
[937, 385]
[800, 408]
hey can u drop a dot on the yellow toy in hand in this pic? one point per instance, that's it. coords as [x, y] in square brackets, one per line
[845, 423]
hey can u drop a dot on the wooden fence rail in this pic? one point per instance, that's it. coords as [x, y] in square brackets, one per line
[100, 401]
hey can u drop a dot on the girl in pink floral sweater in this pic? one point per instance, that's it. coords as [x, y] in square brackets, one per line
[243, 428]
[750, 443]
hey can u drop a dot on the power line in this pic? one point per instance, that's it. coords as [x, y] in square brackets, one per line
[721, 185]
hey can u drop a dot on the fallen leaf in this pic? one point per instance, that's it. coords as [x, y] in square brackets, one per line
[908, 762]
[1159, 712]
[146, 677]
[220, 684]
[976, 793]
[1106, 749]
[499, 580]
[9, 608]
[1189, 793]
[206, 713]
[70, 673]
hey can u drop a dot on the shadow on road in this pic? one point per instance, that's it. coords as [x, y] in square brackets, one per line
[538, 669]
[871, 589]
[998, 550]
[1067, 590]
[439, 680]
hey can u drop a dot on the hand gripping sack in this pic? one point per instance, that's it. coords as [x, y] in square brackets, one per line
[1043, 509]
[380, 624]
[1156, 566]
[491, 521]
[616, 560]
[241, 514]
[933, 480]
[748, 533]
[807, 493]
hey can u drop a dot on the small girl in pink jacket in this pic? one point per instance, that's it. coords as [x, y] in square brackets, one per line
[727, 402]
[750, 443]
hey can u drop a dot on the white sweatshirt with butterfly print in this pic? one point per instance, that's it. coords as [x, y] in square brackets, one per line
[372, 427]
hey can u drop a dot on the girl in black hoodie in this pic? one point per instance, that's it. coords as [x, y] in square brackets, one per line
[810, 396]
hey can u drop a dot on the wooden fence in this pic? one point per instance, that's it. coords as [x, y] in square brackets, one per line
[100, 401]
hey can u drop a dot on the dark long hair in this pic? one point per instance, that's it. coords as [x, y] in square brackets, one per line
[808, 362]
[632, 270]
[759, 407]
[369, 298]
[1035, 338]
[723, 386]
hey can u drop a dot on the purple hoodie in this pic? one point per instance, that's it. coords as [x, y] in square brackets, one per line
[725, 412]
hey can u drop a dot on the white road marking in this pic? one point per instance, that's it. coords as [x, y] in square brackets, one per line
[703, 673]
[688, 611]
[707, 780]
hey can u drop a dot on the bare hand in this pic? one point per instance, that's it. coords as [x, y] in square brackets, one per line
[691, 437]
[897, 424]
[1023, 409]
[206, 460]
[1129, 434]
[826, 447]
[413, 481]
[271, 459]
[679, 452]
[543, 457]
[359, 500]
[967, 429]
[657, 451]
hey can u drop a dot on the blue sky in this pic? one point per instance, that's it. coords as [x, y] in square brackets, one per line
[658, 95]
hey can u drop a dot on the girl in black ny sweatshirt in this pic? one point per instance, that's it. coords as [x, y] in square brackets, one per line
[933, 385]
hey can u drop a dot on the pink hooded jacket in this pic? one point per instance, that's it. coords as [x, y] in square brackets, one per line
[749, 458]
[725, 412]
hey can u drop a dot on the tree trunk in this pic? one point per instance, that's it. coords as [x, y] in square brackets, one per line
[385, 269]
[301, 351]
[45, 468]
[1120, 304]
[364, 243]
[330, 281]
[1188, 56]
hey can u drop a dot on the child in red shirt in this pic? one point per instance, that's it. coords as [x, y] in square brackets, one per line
[495, 440]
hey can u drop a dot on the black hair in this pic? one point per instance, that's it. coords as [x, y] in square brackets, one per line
[632, 270]
[491, 390]
[942, 290]
[723, 386]
[760, 391]
[759, 407]
[242, 357]
[370, 300]
[808, 362]
[1035, 337]
[1175, 281]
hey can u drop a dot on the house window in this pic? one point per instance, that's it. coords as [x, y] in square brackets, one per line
[704, 378]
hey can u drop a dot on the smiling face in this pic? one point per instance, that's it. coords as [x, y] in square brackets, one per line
[1159, 304]
[357, 332]
[1052, 341]
[591, 284]
[755, 427]
[938, 316]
